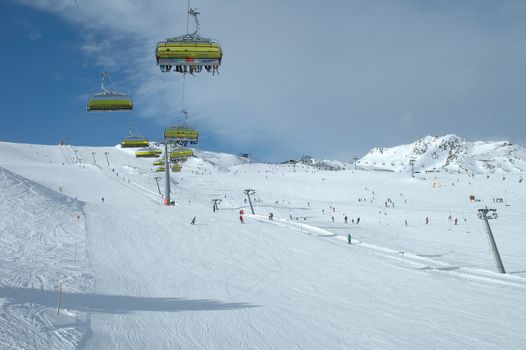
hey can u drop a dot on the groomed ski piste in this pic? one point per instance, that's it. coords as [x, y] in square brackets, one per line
[135, 274]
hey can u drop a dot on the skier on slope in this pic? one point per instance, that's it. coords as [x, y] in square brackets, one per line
[193, 221]
[241, 219]
[349, 239]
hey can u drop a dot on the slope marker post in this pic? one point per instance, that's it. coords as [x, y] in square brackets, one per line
[59, 299]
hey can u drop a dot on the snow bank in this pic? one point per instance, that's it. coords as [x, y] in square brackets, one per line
[42, 246]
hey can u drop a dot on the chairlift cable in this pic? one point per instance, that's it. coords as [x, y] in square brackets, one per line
[184, 75]
[106, 100]
[97, 49]
[182, 99]
[133, 127]
[187, 16]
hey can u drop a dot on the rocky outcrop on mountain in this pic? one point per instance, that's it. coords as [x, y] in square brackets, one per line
[447, 153]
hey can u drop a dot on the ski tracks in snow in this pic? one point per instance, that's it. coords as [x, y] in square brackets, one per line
[42, 245]
[406, 259]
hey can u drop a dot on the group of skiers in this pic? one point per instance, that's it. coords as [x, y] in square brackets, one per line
[450, 218]
[346, 220]
[214, 69]
[389, 203]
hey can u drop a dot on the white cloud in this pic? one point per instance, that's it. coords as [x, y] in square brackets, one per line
[304, 77]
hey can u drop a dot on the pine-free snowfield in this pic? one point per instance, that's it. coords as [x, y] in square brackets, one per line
[138, 275]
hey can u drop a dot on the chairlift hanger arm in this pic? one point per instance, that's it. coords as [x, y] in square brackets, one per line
[103, 77]
[194, 13]
[192, 36]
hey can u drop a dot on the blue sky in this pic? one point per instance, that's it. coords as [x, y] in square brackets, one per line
[47, 78]
[298, 77]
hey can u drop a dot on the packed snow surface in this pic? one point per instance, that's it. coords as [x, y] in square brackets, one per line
[134, 274]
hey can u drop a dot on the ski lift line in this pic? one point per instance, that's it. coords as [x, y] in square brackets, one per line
[97, 49]
[130, 133]
[187, 16]
[134, 140]
[189, 53]
[108, 101]
[131, 125]
[182, 100]
[103, 76]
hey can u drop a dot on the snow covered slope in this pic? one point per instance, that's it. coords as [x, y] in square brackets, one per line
[145, 278]
[42, 245]
[448, 153]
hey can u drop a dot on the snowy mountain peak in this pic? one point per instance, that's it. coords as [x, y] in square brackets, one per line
[448, 153]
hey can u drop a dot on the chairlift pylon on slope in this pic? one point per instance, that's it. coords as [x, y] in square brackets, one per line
[108, 101]
[134, 141]
[182, 134]
[189, 53]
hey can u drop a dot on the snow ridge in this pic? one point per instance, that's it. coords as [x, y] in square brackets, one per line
[448, 153]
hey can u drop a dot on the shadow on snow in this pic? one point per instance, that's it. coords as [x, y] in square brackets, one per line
[113, 304]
